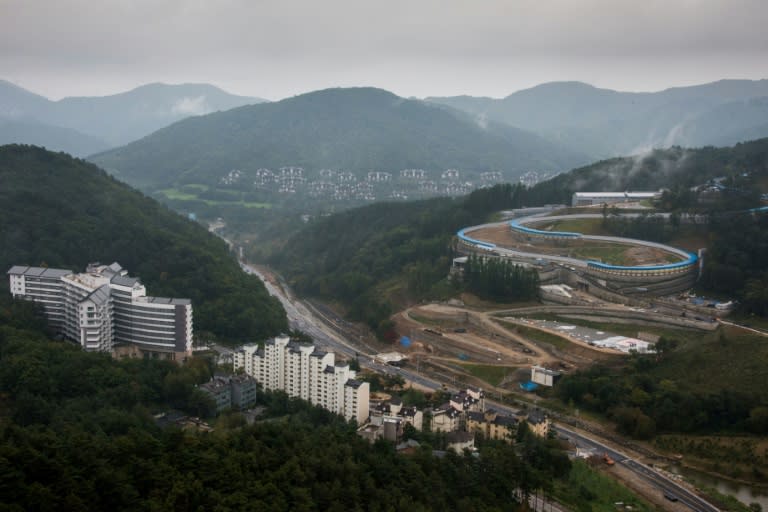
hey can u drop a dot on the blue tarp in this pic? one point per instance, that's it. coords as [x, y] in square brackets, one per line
[528, 386]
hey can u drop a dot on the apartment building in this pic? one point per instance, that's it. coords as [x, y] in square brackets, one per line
[303, 371]
[103, 306]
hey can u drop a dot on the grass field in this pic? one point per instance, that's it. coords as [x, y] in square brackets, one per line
[584, 226]
[493, 375]
[180, 195]
[612, 254]
[537, 335]
[629, 330]
[599, 491]
[725, 359]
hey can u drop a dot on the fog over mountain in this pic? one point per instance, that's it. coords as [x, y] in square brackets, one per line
[604, 123]
[354, 129]
[85, 125]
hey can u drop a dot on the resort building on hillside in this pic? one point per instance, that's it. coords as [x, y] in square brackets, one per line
[303, 371]
[104, 307]
[598, 198]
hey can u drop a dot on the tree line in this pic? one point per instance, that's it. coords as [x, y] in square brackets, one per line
[500, 279]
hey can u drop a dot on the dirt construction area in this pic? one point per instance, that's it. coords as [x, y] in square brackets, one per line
[452, 335]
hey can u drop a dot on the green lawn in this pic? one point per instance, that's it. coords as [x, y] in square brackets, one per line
[493, 375]
[179, 195]
[536, 334]
[600, 492]
[174, 193]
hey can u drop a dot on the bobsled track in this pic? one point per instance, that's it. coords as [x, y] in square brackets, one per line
[660, 279]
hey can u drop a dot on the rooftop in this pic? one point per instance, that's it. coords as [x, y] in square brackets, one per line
[38, 271]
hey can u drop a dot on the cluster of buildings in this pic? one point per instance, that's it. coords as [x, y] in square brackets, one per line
[104, 309]
[304, 371]
[343, 185]
[600, 198]
[461, 418]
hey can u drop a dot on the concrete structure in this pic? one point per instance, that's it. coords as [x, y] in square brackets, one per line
[104, 306]
[303, 371]
[593, 198]
[544, 376]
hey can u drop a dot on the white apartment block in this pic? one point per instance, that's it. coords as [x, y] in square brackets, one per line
[303, 371]
[104, 306]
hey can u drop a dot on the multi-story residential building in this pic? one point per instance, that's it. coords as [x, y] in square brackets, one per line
[538, 423]
[303, 371]
[104, 306]
[394, 408]
[446, 419]
[221, 392]
[491, 424]
[235, 391]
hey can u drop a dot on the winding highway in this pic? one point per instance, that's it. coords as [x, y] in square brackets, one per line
[301, 317]
[666, 486]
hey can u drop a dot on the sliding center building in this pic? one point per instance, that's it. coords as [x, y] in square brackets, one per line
[103, 308]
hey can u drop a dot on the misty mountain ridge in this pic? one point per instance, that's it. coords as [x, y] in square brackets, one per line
[352, 129]
[110, 120]
[605, 123]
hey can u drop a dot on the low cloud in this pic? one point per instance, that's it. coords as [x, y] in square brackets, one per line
[191, 106]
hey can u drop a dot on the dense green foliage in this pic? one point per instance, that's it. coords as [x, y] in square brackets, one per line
[356, 130]
[687, 388]
[500, 280]
[77, 433]
[62, 212]
[675, 168]
[349, 256]
[736, 260]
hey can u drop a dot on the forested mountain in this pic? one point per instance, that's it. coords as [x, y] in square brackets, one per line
[62, 212]
[106, 121]
[603, 123]
[357, 130]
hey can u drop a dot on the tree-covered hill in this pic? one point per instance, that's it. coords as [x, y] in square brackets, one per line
[662, 168]
[62, 212]
[357, 130]
[350, 257]
[78, 432]
[373, 257]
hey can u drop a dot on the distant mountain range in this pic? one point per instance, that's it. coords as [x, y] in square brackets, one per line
[605, 123]
[86, 125]
[353, 129]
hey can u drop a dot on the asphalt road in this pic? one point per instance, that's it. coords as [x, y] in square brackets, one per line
[665, 485]
[300, 317]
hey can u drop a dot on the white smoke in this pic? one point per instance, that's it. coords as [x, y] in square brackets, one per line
[482, 121]
[191, 106]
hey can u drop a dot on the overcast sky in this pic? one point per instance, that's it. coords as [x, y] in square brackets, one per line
[278, 48]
